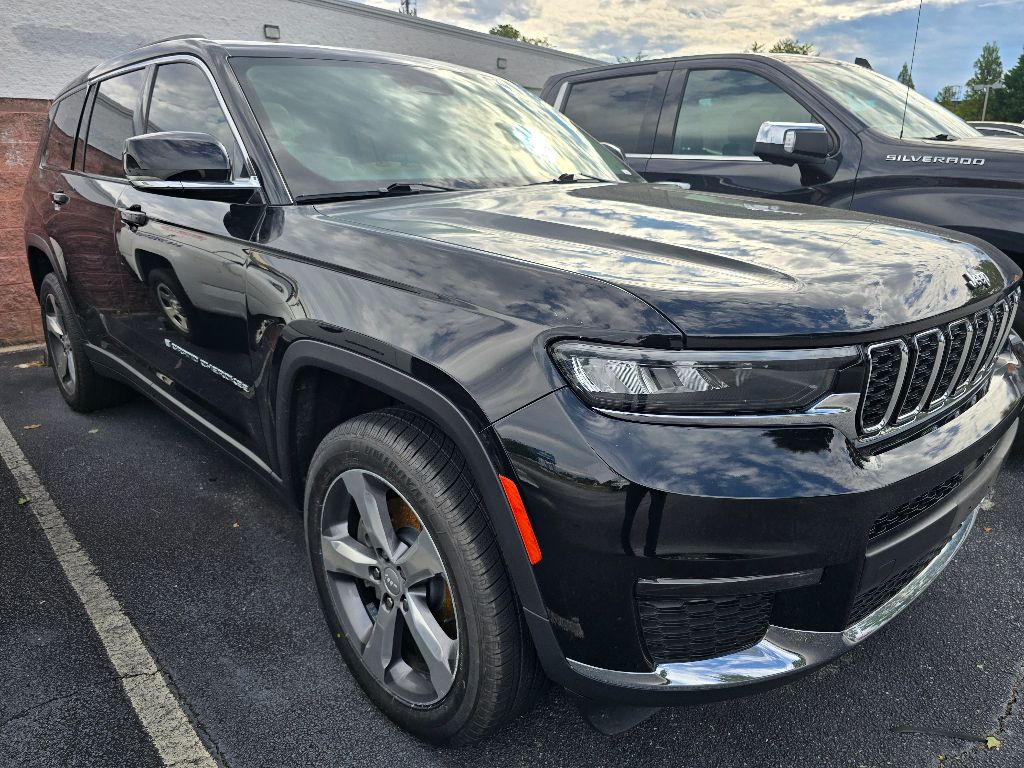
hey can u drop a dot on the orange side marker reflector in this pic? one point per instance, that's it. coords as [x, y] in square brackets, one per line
[519, 512]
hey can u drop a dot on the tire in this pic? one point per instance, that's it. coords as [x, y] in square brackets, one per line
[408, 465]
[80, 385]
[173, 303]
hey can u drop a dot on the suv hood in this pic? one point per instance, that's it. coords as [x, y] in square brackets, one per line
[714, 265]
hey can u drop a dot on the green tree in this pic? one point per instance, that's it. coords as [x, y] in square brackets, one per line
[507, 30]
[786, 45]
[639, 56]
[792, 45]
[905, 77]
[988, 68]
[947, 97]
[1011, 99]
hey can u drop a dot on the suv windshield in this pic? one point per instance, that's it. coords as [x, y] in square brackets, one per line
[879, 101]
[338, 126]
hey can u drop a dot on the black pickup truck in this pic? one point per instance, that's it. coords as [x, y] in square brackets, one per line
[841, 135]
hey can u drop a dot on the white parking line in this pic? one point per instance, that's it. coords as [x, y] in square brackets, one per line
[160, 713]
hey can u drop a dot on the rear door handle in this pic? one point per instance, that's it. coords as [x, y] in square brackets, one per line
[133, 217]
[59, 198]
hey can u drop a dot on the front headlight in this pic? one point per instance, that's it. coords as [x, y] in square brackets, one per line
[741, 382]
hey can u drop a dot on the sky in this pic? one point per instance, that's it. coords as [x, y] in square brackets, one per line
[951, 36]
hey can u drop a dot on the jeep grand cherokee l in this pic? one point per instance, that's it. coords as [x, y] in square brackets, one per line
[544, 419]
[885, 150]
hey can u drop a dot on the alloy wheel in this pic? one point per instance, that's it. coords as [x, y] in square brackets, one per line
[171, 306]
[389, 587]
[58, 344]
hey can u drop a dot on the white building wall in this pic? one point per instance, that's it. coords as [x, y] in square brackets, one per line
[46, 43]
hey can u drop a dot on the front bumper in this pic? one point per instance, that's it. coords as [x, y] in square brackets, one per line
[793, 511]
[782, 652]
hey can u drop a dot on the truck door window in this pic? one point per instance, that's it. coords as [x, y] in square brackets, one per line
[183, 100]
[613, 110]
[113, 110]
[723, 108]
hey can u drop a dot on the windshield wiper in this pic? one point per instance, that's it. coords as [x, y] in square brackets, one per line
[940, 137]
[571, 178]
[395, 188]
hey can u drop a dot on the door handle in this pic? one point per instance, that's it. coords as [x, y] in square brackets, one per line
[133, 217]
[59, 198]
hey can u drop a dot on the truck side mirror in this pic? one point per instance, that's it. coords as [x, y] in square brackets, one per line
[792, 143]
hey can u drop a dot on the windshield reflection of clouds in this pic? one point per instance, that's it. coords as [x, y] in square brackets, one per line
[339, 126]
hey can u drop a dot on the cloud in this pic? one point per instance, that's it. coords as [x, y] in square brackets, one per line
[952, 31]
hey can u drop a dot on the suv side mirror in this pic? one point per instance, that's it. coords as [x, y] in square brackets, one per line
[182, 162]
[792, 143]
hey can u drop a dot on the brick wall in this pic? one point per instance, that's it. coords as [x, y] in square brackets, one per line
[21, 125]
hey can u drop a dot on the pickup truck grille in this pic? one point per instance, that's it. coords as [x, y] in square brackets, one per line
[921, 373]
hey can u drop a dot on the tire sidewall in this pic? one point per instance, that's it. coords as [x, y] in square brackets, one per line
[51, 287]
[442, 720]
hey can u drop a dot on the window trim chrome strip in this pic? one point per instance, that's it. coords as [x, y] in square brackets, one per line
[720, 158]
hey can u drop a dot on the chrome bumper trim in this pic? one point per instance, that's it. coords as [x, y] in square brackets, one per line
[782, 651]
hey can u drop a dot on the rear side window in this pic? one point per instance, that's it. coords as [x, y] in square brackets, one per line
[113, 113]
[723, 108]
[183, 100]
[613, 110]
[60, 144]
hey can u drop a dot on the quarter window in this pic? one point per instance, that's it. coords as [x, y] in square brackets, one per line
[184, 100]
[60, 145]
[613, 110]
[112, 122]
[723, 108]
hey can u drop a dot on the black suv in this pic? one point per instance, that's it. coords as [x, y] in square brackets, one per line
[545, 419]
[856, 139]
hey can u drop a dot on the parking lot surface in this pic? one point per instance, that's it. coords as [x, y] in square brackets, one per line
[210, 567]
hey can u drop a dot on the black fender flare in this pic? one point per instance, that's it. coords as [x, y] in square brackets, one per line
[307, 353]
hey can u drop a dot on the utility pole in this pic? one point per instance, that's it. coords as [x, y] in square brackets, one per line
[408, 7]
[990, 87]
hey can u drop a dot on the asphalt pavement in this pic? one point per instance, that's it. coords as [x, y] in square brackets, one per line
[210, 567]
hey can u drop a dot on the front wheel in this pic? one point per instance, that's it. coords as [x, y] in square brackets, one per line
[411, 580]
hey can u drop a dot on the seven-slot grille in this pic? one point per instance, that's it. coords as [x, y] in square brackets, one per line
[918, 374]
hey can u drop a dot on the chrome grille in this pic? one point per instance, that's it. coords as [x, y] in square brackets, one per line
[910, 376]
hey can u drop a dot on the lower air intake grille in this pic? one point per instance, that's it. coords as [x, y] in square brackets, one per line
[691, 629]
[907, 512]
[871, 600]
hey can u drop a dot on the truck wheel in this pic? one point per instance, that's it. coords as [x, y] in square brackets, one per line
[81, 386]
[173, 302]
[412, 582]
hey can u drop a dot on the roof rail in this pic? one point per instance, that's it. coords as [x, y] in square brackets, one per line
[174, 37]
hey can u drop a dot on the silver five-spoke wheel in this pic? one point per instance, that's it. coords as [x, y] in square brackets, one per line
[58, 344]
[172, 307]
[389, 587]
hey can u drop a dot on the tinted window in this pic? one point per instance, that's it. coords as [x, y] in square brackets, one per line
[111, 123]
[184, 100]
[723, 108]
[61, 143]
[613, 110]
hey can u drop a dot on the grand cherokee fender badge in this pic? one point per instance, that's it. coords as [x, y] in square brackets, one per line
[207, 365]
[976, 279]
[955, 160]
